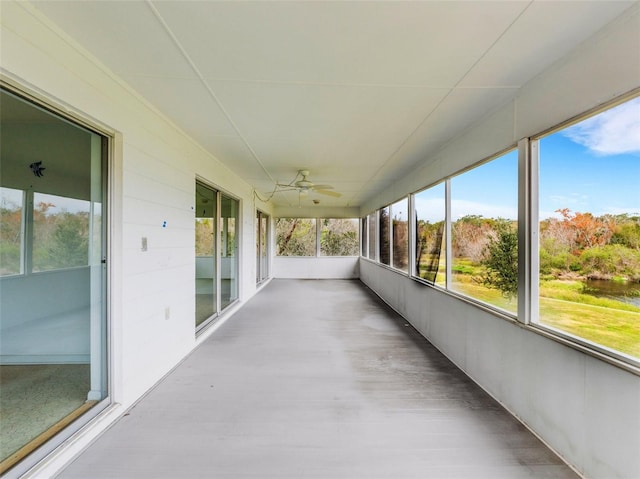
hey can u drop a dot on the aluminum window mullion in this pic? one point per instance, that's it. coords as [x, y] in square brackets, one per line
[218, 253]
[411, 229]
[447, 215]
[528, 239]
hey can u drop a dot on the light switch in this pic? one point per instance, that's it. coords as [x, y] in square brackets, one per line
[144, 243]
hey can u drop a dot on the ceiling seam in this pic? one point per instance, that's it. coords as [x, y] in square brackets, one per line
[451, 91]
[207, 86]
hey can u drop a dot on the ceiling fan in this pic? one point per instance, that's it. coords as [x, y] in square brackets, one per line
[303, 186]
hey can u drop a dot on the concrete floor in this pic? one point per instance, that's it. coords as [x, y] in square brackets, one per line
[317, 379]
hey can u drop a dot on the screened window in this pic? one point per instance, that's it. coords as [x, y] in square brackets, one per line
[364, 245]
[400, 234]
[296, 236]
[60, 232]
[484, 212]
[262, 246]
[589, 228]
[430, 210]
[11, 231]
[372, 223]
[339, 237]
[385, 241]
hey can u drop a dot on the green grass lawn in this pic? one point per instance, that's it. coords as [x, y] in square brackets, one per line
[563, 306]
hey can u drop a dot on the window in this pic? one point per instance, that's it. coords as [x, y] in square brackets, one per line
[400, 234]
[363, 235]
[296, 236]
[60, 232]
[589, 229]
[372, 222]
[385, 243]
[11, 231]
[484, 212]
[430, 210]
[262, 246]
[339, 237]
[228, 227]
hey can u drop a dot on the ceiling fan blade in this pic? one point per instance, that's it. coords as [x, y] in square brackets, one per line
[328, 193]
[322, 187]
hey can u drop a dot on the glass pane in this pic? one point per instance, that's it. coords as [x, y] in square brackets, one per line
[258, 246]
[339, 237]
[53, 330]
[400, 234]
[589, 212]
[11, 231]
[60, 232]
[385, 243]
[363, 231]
[228, 251]
[296, 236]
[430, 234]
[205, 238]
[484, 203]
[372, 222]
[264, 246]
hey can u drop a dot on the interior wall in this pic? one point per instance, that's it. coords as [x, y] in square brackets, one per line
[584, 408]
[44, 317]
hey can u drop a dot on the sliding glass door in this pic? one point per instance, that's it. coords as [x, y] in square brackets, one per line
[206, 264]
[216, 237]
[53, 329]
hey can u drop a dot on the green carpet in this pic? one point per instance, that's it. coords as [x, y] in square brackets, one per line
[34, 397]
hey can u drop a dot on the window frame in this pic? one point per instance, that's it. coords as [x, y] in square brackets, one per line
[528, 250]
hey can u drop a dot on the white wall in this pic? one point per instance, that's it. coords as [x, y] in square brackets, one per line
[327, 267]
[152, 182]
[44, 317]
[586, 409]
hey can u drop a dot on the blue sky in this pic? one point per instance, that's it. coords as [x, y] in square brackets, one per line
[592, 166]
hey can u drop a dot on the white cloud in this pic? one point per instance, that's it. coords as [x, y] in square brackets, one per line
[614, 131]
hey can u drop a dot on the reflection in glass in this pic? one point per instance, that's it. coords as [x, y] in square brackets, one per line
[264, 247]
[206, 212]
[228, 250]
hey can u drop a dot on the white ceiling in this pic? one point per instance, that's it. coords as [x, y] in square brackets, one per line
[356, 92]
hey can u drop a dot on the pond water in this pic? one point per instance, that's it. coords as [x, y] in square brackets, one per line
[626, 291]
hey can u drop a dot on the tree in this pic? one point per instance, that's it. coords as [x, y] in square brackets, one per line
[339, 237]
[296, 237]
[501, 260]
[470, 235]
[384, 246]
